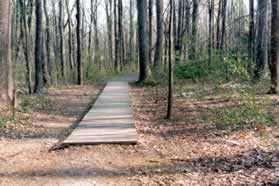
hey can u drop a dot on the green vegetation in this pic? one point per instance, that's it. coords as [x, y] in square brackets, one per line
[28, 103]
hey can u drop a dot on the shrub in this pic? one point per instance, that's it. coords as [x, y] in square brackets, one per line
[192, 70]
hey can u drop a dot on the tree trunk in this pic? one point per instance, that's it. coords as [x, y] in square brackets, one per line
[150, 41]
[25, 44]
[194, 30]
[109, 25]
[39, 81]
[116, 37]
[143, 39]
[70, 37]
[61, 38]
[218, 35]
[179, 39]
[121, 34]
[275, 47]
[6, 77]
[170, 82]
[210, 29]
[187, 28]
[90, 34]
[131, 30]
[160, 32]
[251, 35]
[96, 35]
[48, 46]
[223, 33]
[79, 63]
[261, 56]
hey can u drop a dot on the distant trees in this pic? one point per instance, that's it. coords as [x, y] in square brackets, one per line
[54, 45]
[6, 77]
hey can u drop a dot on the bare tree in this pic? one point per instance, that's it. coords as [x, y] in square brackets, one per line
[194, 29]
[223, 33]
[179, 34]
[121, 34]
[70, 36]
[25, 43]
[170, 82]
[160, 32]
[150, 39]
[261, 56]
[251, 34]
[109, 13]
[39, 81]
[61, 37]
[79, 63]
[210, 28]
[143, 39]
[6, 78]
[275, 48]
[116, 37]
[47, 43]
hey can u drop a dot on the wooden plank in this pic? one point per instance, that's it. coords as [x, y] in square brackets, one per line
[110, 121]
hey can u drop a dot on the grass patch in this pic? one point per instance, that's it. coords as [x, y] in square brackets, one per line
[241, 117]
[245, 111]
[28, 103]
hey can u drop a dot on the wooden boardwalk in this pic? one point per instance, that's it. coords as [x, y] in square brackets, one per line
[110, 120]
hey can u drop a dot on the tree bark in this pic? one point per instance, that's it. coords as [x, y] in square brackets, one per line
[194, 30]
[170, 82]
[251, 35]
[143, 39]
[70, 40]
[179, 38]
[210, 29]
[160, 32]
[79, 63]
[275, 47]
[218, 35]
[121, 34]
[25, 44]
[131, 30]
[223, 33]
[150, 41]
[39, 81]
[61, 38]
[261, 56]
[109, 25]
[116, 37]
[6, 77]
[47, 44]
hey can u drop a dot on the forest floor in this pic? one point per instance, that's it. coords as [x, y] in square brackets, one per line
[190, 149]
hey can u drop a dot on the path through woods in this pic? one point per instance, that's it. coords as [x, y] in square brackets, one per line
[110, 120]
